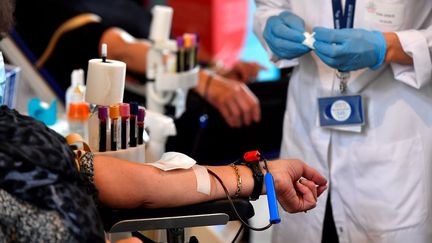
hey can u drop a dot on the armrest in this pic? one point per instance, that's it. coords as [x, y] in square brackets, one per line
[203, 214]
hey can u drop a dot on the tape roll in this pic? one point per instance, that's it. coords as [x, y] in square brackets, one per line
[105, 82]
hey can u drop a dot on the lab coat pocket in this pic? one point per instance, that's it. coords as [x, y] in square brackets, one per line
[385, 15]
[390, 185]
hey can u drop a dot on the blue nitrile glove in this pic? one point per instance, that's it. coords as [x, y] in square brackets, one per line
[284, 35]
[350, 49]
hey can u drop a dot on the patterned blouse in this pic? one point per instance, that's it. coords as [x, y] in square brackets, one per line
[24, 222]
[43, 198]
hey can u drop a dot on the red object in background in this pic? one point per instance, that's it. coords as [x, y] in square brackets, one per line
[220, 24]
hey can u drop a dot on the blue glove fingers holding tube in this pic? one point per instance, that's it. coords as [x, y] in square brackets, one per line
[284, 35]
[350, 49]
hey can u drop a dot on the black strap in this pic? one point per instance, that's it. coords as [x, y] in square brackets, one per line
[258, 180]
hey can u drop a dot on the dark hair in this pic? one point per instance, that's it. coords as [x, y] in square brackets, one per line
[6, 15]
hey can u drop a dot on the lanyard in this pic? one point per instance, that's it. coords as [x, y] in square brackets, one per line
[343, 19]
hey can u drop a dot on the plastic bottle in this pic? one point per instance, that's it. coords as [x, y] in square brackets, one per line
[77, 119]
[76, 92]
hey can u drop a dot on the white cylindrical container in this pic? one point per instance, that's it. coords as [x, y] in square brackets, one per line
[134, 154]
[105, 82]
[160, 27]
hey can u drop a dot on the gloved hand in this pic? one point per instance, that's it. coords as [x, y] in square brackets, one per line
[284, 35]
[350, 49]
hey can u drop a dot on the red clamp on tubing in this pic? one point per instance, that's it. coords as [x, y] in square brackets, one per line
[252, 156]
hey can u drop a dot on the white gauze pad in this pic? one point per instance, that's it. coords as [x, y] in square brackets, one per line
[309, 40]
[203, 179]
[173, 161]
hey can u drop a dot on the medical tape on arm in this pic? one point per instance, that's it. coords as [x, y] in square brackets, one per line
[202, 178]
[174, 161]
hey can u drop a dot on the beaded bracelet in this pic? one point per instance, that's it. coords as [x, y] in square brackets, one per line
[83, 162]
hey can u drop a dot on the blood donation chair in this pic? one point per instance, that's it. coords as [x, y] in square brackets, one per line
[174, 220]
[34, 81]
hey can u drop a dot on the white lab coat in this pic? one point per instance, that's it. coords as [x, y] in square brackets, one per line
[381, 178]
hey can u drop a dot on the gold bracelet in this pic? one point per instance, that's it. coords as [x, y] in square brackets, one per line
[239, 181]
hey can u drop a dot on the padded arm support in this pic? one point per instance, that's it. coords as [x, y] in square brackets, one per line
[203, 214]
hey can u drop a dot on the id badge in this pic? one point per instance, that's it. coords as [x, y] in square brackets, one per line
[341, 111]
